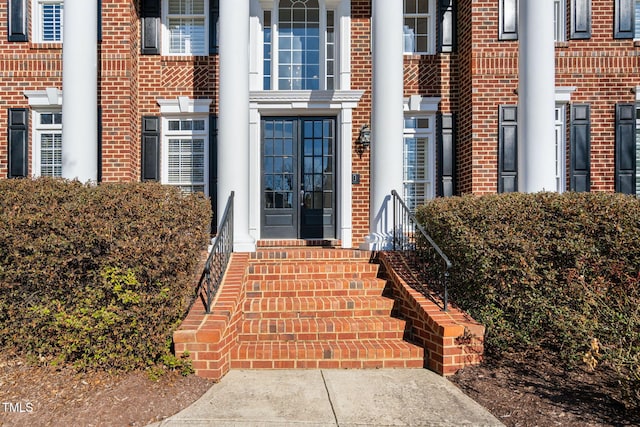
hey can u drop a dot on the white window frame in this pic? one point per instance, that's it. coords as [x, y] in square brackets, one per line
[272, 6]
[38, 131]
[637, 144]
[430, 155]
[166, 33]
[184, 134]
[560, 20]
[637, 20]
[38, 20]
[431, 30]
[561, 147]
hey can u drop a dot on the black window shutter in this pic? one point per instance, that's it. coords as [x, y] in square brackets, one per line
[508, 149]
[18, 142]
[150, 148]
[447, 33]
[624, 19]
[151, 26]
[508, 20]
[626, 148]
[580, 19]
[213, 169]
[99, 21]
[446, 155]
[214, 14]
[18, 21]
[580, 151]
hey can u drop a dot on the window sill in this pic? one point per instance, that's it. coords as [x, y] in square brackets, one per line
[417, 55]
[562, 45]
[45, 46]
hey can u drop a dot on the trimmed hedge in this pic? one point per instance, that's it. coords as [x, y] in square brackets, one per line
[548, 272]
[98, 276]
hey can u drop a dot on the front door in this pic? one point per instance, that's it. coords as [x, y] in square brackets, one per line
[298, 185]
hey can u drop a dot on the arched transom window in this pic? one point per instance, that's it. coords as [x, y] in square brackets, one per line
[299, 46]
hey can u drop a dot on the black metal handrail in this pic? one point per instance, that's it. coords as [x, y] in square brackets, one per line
[218, 259]
[424, 255]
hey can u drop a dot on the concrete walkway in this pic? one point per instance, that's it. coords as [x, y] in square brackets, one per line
[323, 398]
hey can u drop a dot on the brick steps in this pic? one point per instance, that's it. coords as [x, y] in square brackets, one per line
[348, 306]
[319, 308]
[327, 354]
[315, 288]
[320, 329]
[300, 269]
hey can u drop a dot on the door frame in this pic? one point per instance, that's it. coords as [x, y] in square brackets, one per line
[337, 103]
[292, 219]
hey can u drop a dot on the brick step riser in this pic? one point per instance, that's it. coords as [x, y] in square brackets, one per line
[322, 336]
[316, 293]
[345, 275]
[355, 350]
[337, 325]
[316, 285]
[312, 268]
[327, 364]
[267, 305]
[316, 314]
[295, 255]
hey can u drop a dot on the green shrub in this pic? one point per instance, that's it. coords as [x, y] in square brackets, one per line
[98, 276]
[548, 272]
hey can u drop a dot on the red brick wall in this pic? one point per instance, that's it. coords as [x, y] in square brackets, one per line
[604, 71]
[23, 66]
[361, 80]
[117, 93]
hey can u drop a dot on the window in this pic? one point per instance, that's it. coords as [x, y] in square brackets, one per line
[637, 20]
[419, 27]
[299, 46]
[559, 20]
[47, 147]
[48, 21]
[186, 26]
[185, 153]
[561, 149]
[418, 161]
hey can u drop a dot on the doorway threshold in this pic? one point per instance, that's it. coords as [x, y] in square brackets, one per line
[294, 243]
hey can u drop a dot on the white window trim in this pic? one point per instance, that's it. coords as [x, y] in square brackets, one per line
[166, 134]
[166, 39]
[561, 24]
[430, 166]
[38, 130]
[561, 147]
[37, 20]
[562, 98]
[417, 106]
[342, 44]
[431, 17]
[637, 21]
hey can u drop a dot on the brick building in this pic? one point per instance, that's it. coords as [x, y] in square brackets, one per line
[275, 99]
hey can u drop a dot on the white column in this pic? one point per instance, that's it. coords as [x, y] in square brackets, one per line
[80, 91]
[387, 124]
[536, 97]
[233, 119]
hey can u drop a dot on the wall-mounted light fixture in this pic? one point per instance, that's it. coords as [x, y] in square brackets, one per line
[364, 138]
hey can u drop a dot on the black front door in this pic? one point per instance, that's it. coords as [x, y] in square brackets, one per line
[298, 185]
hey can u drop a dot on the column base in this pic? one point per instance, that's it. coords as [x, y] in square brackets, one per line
[244, 243]
[377, 242]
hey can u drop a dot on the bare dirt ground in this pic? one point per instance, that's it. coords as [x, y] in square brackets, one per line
[517, 392]
[538, 392]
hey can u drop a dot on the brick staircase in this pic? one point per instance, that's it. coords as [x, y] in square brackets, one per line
[318, 308]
